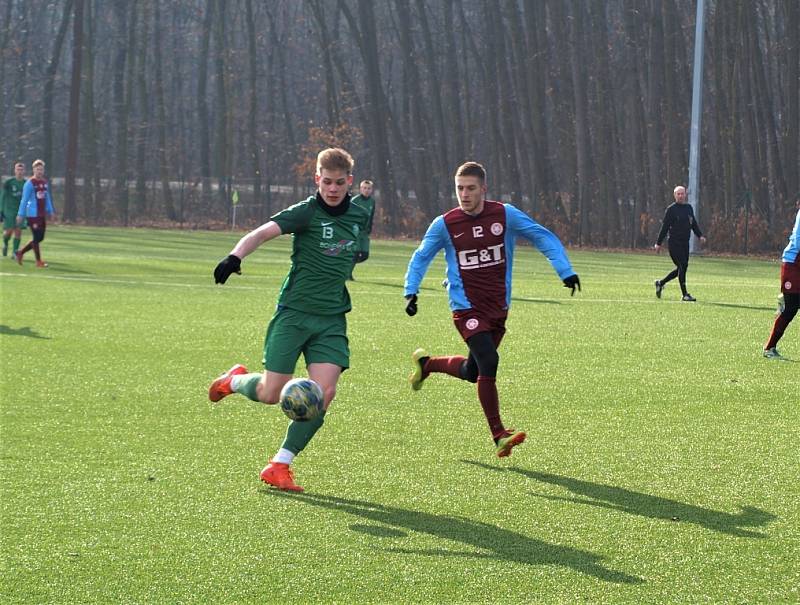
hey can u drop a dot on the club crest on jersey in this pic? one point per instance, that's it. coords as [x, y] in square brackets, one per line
[787, 285]
[472, 323]
[478, 258]
[496, 228]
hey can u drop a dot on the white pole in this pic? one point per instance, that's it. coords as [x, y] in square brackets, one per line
[697, 109]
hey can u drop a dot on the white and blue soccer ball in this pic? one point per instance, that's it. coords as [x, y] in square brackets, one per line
[302, 399]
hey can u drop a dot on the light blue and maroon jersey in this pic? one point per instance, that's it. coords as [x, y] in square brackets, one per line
[479, 251]
[792, 252]
[36, 200]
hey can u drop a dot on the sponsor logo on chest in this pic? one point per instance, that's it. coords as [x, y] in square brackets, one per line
[484, 250]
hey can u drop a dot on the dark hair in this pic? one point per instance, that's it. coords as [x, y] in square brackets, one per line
[472, 169]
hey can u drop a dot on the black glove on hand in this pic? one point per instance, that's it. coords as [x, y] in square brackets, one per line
[229, 264]
[411, 307]
[571, 282]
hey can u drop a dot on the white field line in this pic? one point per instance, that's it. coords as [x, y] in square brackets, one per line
[515, 297]
[125, 281]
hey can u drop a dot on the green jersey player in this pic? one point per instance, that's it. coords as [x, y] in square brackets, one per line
[313, 301]
[366, 201]
[10, 198]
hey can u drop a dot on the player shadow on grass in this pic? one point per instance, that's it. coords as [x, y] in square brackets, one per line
[56, 268]
[736, 306]
[539, 301]
[488, 541]
[26, 331]
[393, 285]
[645, 505]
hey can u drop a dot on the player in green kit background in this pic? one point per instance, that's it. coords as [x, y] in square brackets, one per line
[9, 204]
[366, 201]
[313, 301]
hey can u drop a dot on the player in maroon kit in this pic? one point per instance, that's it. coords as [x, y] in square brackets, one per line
[478, 239]
[36, 206]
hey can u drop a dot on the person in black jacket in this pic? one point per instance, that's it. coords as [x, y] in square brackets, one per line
[678, 223]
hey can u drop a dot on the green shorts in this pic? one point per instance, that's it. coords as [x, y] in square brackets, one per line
[10, 222]
[320, 338]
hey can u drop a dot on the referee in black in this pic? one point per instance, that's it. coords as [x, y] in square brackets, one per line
[678, 223]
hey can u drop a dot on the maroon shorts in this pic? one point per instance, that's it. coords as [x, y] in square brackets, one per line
[790, 278]
[36, 223]
[470, 322]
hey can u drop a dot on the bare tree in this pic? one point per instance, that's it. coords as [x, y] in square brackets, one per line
[252, 70]
[582, 139]
[791, 63]
[49, 83]
[161, 113]
[70, 202]
[582, 106]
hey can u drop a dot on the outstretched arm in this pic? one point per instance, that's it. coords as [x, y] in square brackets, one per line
[255, 238]
[233, 262]
[543, 239]
[434, 240]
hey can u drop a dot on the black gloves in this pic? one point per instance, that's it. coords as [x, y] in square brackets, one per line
[571, 282]
[229, 264]
[411, 307]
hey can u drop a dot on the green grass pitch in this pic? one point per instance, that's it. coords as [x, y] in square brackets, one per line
[661, 463]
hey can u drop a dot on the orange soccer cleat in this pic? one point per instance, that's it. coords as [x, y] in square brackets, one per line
[41, 264]
[221, 387]
[281, 476]
[507, 441]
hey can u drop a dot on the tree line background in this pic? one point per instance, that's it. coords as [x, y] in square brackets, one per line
[155, 111]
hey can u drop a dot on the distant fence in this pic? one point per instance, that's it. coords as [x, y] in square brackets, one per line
[208, 203]
[189, 202]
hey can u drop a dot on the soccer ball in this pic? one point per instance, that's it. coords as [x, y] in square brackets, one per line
[302, 399]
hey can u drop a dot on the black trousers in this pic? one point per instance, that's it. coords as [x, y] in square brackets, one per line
[679, 253]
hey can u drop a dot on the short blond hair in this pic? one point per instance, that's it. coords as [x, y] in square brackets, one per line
[366, 182]
[37, 163]
[333, 159]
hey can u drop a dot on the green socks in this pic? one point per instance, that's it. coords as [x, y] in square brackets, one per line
[246, 385]
[299, 434]
[15, 246]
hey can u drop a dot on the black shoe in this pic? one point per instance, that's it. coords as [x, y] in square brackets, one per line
[659, 288]
[688, 298]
